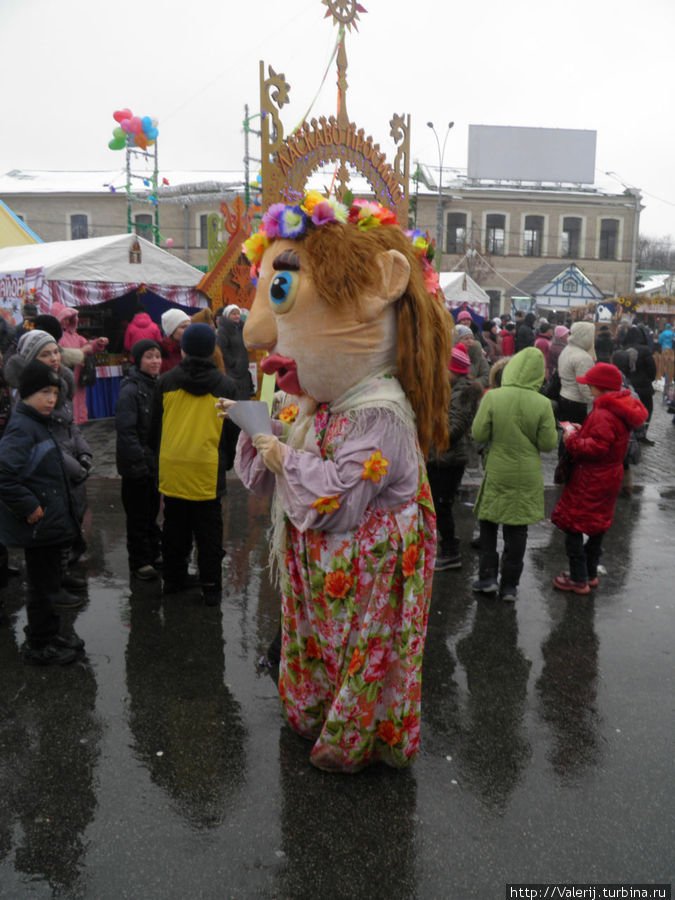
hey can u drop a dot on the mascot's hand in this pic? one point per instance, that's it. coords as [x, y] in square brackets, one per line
[271, 450]
[223, 406]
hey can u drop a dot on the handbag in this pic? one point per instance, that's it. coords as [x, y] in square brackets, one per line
[563, 471]
[88, 372]
[551, 387]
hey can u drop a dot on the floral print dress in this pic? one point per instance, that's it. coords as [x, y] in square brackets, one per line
[359, 547]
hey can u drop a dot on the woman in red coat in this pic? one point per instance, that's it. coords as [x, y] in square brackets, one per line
[597, 449]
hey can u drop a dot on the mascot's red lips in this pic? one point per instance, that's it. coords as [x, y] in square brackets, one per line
[286, 371]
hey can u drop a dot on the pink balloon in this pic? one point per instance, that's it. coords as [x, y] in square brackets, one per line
[120, 114]
[126, 125]
[169, 242]
[136, 124]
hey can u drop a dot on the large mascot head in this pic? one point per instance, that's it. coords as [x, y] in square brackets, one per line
[343, 293]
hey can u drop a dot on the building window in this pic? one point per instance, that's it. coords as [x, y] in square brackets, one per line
[143, 226]
[495, 232]
[79, 227]
[204, 231]
[534, 235]
[495, 302]
[571, 238]
[609, 234]
[455, 234]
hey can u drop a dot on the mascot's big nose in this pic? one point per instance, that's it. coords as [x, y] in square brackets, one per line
[260, 330]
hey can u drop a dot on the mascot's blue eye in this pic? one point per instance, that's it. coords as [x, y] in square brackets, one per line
[283, 289]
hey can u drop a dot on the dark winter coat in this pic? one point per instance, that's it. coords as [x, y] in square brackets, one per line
[195, 446]
[464, 399]
[525, 333]
[604, 345]
[597, 450]
[76, 453]
[32, 474]
[230, 339]
[636, 361]
[133, 415]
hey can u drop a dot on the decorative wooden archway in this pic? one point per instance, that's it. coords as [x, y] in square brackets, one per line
[288, 162]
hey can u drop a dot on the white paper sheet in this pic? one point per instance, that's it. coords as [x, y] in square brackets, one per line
[251, 415]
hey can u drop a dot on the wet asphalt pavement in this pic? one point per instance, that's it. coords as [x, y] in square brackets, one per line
[160, 765]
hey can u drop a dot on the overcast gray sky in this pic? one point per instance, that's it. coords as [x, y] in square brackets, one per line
[588, 64]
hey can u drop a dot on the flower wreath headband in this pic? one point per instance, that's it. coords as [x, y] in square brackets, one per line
[315, 211]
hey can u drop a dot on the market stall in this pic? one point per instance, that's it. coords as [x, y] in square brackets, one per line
[105, 279]
[462, 292]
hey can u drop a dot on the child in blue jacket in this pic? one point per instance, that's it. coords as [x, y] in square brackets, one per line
[36, 512]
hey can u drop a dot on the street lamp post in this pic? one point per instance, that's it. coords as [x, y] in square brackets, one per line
[635, 193]
[439, 201]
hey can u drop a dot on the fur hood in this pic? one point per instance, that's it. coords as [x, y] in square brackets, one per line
[16, 364]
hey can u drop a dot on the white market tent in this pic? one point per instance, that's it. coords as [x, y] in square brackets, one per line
[93, 270]
[460, 290]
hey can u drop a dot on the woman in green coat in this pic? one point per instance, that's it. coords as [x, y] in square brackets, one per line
[516, 423]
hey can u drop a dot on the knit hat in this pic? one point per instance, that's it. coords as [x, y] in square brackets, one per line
[604, 376]
[464, 316]
[32, 342]
[459, 360]
[198, 340]
[560, 331]
[463, 331]
[171, 319]
[141, 347]
[35, 376]
[51, 325]
[231, 308]
[29, 310]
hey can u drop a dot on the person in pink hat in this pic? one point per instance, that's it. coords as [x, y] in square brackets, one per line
[445, 470]
[68, 319]
[558, 342]
[597, 449]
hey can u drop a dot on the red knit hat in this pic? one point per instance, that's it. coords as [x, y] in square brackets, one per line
[460, 363]
[464, 316]
[604, 376]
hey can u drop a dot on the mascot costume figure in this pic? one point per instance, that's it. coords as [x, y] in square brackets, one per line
[345, 304]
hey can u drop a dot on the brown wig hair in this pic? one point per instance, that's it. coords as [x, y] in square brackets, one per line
[340, 260]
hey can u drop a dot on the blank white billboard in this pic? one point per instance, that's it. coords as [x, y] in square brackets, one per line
[503, 152]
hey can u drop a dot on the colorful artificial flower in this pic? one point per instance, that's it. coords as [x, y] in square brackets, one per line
[292, 222]
[323, 214]
[310, 200]
[289, 413]
[270, 220]
[326, 504]
[254, 247]
[375, 467]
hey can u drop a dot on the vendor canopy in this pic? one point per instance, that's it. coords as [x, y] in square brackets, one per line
[459, 289]
[94, 270]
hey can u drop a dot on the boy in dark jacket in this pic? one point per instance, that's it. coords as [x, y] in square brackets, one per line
[36, 512]
[136, 462]
[193, 458]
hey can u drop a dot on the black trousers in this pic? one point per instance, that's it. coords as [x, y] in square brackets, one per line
[584, 558]
[43, 572]
[140, 499]
[183, 520]
[444, 482]
[515, 542]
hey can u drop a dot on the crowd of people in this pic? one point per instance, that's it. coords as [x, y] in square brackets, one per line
[518, 388]
[167, 443]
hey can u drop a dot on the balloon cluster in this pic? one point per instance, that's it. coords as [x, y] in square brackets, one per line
[142, 132]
